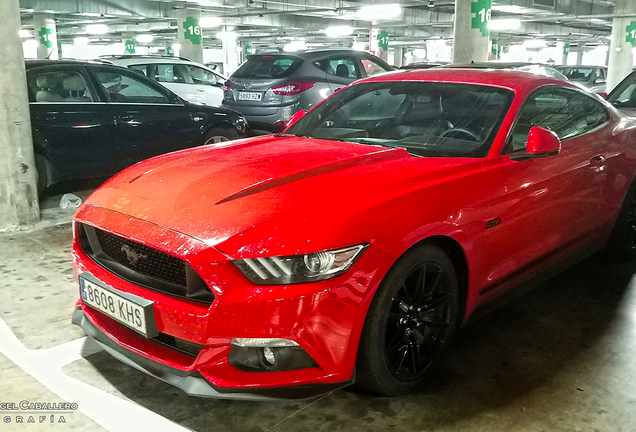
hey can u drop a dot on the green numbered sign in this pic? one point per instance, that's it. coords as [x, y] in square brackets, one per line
[249, 50]
[482, 11]
[130, 46]
[631, 33]
[46, 37]
[383, 40]
[566, 49]
[192, 30]
[170, 51]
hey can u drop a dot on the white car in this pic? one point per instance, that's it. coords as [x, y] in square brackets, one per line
[190, 80]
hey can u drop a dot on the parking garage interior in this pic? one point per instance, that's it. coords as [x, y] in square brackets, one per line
[557, 358]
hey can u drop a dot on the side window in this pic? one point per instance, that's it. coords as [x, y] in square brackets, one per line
[372, 68]
[201, 76]
[343, 67]
[141, 69]
[58, 86]
[565, 112]
[128, 89]
[168, 73]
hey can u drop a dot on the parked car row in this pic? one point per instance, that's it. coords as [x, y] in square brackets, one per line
[91, 119]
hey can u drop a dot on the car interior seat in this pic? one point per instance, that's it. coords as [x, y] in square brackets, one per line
[47, 91]
[342, 70]
[76, 89]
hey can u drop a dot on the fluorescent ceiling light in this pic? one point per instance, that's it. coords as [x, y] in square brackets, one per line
[206, 22]
[504, 24]
[226, 35]
[382, 11]
[96, 29]
[419, 53]
[359, 46]
[144, 38]
[81, 41]
[508, 8]
[24, 33]
[338, 31]
[297, 45]
[535, 43]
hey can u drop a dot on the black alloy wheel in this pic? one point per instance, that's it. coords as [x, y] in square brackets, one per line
[410, 323]
[623, 240]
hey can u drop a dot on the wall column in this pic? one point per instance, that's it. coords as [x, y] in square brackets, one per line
[18, 186]
[46, 35]
[470, 38]
[190, 34]
[623, 39]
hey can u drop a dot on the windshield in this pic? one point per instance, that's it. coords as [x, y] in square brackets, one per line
[424, 118]
[624, 95]
[268, 66]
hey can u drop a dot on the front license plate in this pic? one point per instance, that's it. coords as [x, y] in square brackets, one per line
[130, 310]
[249, 96]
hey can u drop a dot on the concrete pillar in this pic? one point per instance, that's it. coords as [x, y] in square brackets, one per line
[398, 56]
[130, 44]
[190, 34]
[579, 55]
[231, 54]
[565, 50]
[18, 186]
[379, 43]
[620, 51]
[470, 38]
[493, 52]
[46, 35]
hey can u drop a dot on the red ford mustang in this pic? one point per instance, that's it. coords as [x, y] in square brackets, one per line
[352, 246]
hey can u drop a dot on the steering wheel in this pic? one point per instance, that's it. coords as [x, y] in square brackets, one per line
[460, 133]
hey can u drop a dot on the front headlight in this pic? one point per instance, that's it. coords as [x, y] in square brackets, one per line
[294, 269]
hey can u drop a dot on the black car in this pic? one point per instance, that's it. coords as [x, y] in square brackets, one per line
[91, 120]
[270, 88]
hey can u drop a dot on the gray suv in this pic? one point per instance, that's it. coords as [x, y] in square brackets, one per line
[269, 88]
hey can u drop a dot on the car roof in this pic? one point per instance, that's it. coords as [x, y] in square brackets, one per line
[47, 62]
[504, 78]
[495, 64]
[313, 53]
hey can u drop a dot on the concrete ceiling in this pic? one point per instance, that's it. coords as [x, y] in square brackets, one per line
[270, 24]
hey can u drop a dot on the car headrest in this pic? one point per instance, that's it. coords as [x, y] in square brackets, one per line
[74, 83]
[46, 81]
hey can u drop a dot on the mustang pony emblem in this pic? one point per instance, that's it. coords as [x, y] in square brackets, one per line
[133, 257]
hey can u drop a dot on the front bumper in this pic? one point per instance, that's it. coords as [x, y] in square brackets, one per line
[193, 383]
[324, 318]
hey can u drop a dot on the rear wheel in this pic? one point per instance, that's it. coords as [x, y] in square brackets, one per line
[410, 323]
[219, 135]
[43, 173]
[622, 243]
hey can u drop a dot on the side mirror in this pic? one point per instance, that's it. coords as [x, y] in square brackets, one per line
[541, 143]
[297, 116]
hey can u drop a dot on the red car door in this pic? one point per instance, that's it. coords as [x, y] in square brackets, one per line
[555, 203]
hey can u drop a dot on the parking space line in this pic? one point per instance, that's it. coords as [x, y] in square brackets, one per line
[109, 411]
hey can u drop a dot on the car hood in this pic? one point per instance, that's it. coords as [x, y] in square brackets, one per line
[216, 193]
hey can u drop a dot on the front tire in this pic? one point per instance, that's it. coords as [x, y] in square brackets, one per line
[410, 323]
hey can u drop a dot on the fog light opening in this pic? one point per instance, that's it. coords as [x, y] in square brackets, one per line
[269, 357]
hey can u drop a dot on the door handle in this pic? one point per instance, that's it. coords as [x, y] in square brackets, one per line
[598, 163]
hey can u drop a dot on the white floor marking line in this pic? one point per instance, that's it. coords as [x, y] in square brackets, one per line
[109, 411]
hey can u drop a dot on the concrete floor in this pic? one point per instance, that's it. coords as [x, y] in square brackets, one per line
[560, 358]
